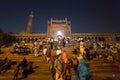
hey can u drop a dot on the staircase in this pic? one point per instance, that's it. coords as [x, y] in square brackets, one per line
[98, 69]
[103, 71]
[42, 72]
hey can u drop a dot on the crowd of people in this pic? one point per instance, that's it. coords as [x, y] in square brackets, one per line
[65, 67]
[62, 68]
[87, 49]
[6, 64]
[21, 48]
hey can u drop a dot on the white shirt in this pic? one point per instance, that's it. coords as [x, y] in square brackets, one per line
[44, 51]
[58, 52]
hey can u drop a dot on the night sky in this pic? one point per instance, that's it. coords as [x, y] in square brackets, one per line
[87, 16]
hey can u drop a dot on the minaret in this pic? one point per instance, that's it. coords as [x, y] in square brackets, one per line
[29, 25]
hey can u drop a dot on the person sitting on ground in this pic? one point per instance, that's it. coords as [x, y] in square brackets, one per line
[27, 70]
[23, 63]
[5, 66]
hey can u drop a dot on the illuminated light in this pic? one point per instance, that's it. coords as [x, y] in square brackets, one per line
[59, 33]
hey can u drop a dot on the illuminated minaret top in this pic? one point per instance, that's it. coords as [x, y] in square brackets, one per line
[29, 25]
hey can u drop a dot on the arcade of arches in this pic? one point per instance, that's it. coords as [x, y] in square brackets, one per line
[84, 36]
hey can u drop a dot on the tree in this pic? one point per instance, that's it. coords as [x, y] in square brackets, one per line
[5, 38]
[1, 34]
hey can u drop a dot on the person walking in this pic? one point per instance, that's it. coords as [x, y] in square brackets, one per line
[48, 54]
[82, 70]
[44, 54]
[59, 67]
[75, 63]
[52, 69]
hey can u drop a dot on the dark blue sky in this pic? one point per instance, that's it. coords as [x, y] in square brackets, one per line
[85, 15]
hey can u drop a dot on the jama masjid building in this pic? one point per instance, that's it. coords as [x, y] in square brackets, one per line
[62, 28]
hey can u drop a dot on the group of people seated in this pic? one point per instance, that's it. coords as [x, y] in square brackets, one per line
[24, 65]
[5, 65]
[26, 68]
[21, 50]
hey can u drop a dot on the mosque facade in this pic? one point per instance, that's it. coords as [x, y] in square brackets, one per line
[62, 28]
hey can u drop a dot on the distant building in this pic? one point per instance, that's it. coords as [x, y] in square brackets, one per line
[62, 28]
[59, 28]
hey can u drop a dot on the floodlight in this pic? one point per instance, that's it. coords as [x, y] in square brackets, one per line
[59, 33]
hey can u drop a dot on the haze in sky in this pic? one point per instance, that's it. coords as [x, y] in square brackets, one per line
[85, 15]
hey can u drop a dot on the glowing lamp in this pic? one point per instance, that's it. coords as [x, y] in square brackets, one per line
[59, 33]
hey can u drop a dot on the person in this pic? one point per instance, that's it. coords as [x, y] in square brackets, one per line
[58, 51]
[66, 61]
[82, 70]
[44, 53]
[48, 54]
[80, 56]
[23, 63]
[87, 55]
[75, 51]
[35, 51]
[63, 42]
[65, 58]
[51, 43]
[27, 70]
[59, 67]
[52, 69]
[75, 64]
[16, 71]
[82, 51]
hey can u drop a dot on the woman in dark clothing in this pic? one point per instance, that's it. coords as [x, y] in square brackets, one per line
[52, 69]
[27, 70]
[75, 50]
[48, 54]
[87, 51]
[23, 63]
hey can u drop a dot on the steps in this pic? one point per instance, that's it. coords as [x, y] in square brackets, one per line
[39, 74]
[98, 69]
